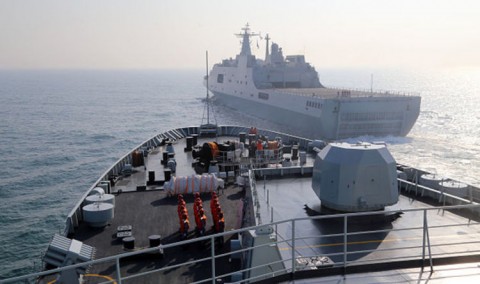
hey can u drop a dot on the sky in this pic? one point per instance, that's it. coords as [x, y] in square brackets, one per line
[174, 34]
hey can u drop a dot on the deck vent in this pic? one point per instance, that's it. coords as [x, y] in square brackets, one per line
[195, 139]
[170, 148]
[105, 184]
[189, 141]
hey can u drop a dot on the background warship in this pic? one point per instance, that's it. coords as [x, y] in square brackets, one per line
[287, 90]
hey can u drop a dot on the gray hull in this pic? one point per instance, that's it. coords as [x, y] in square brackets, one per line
[339, 118]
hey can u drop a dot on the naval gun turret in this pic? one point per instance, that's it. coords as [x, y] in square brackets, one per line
[355, 177]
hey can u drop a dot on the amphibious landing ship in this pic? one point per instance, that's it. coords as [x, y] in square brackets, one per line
[287, 90]
[291, 208]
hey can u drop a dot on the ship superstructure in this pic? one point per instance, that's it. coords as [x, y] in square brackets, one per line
[287, 90]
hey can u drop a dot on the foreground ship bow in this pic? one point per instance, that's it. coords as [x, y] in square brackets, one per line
[263, 206]
[286, 90]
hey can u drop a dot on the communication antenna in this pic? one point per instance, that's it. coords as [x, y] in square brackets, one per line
[267, 38]
[371, 83]
[209, 129]
[208, 95]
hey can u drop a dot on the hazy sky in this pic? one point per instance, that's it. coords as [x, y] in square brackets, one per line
[175, 33]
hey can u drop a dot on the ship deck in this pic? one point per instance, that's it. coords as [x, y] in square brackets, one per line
[150, 211]
[294, 198]
[449, 273]
[334, 93]
[153, 212]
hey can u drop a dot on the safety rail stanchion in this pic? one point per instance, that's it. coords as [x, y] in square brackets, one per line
[345, 242]
[119, 276]
[424, 236]
[426, 241]
[212, 244]
[293, 246]
[276, 230]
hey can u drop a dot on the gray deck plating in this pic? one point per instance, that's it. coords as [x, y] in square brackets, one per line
[332, 93]
[287, 197]
[152, 212]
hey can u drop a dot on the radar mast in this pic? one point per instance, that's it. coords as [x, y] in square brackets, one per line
[245, 36]
[267, 38]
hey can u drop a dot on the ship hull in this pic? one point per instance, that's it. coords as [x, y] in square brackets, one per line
[290, 121]
[337, 119]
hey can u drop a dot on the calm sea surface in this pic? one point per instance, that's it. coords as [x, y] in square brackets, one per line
[59, 130]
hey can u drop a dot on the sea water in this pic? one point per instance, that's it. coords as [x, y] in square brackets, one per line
[61, 129]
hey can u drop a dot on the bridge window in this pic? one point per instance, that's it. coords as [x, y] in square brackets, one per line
[263, 96]
[314, 104]
[220, 78]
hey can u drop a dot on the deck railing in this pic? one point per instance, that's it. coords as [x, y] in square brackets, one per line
[345, 93]
[415, 247]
